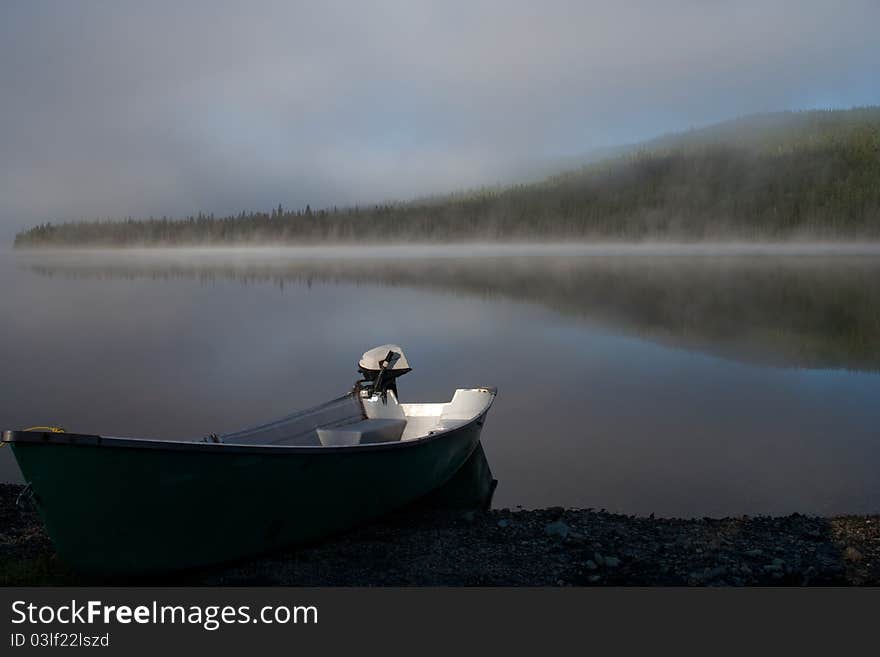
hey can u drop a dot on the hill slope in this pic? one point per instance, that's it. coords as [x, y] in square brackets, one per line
[809, 174]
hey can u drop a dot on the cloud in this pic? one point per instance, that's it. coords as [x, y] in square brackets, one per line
[175, 107]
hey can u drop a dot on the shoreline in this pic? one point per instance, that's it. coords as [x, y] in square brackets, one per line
[501, 547]
[839, 246]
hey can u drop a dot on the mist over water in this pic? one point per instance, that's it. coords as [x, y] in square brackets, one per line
[269, 254]
[675, 379]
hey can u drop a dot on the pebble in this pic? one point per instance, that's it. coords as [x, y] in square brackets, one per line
[475, 548]
[558, 529]
[718, 571]
[851, 554]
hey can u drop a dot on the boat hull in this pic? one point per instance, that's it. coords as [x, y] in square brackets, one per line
[116, 506]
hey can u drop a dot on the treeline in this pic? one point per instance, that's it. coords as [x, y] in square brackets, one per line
[803, 174]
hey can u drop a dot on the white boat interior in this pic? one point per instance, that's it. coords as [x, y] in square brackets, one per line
[371, 413]
[426, 419]
[355, 420]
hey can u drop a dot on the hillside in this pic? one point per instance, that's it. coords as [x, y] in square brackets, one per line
[812, 175]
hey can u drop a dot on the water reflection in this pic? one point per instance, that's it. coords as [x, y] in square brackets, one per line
[599, 405]
[810, 311]
[472, 487]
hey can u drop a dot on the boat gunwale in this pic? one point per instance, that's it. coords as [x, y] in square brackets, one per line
[96, 440]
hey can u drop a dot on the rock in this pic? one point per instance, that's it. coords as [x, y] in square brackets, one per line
[851, 554]
[716, 572]
[696, 578]
[557, 529]
[464, 549]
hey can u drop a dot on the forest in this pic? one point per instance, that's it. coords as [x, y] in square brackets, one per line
[786, 175]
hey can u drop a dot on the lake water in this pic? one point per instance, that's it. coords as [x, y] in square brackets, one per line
[679, 381]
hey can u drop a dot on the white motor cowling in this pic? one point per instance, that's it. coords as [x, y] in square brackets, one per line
[381, 366]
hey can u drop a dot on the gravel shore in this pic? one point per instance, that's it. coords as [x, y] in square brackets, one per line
[555, 546]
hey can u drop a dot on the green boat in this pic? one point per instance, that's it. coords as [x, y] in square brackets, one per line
[135, 506]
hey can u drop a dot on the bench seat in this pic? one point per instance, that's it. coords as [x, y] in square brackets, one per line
[363, 433]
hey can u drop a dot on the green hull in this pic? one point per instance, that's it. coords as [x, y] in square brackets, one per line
[117, 506]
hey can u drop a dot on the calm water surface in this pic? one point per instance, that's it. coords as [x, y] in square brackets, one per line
[679, 383]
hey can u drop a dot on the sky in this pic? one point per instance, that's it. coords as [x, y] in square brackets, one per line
[171, 108]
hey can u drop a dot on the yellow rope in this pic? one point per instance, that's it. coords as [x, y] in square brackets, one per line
[48, 429]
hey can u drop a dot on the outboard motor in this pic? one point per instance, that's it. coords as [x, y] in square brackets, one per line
[380, 367]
